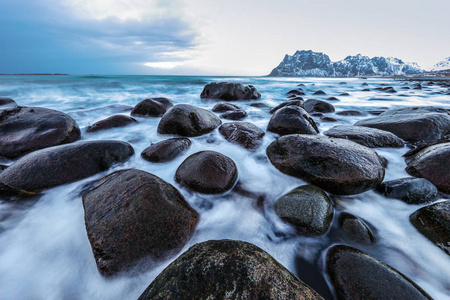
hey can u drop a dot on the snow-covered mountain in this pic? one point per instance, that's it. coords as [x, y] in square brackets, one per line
[317, 64]
[442, 65]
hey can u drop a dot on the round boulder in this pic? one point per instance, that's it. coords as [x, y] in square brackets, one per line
[410, 190]
[188, 120]
[132, 215]
[292, 119]
[319, 92]
[223, 107]
[227, 270]
[111, 122]
[355, 230]
[298, 103]
[166, 150]
[314, 105]
[245, 134]
[234, 115]
[369, 137]
[336, 165]
[229, 91]
[207, 172]
[152, 107]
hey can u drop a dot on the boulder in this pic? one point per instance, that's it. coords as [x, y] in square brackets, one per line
[336, 165]
[26, 129]
[7, 103]
[227, 270]
[356, 275]
[412, 124]
[410, 190]
[297, 92]
[292, 119]
[152, 107]
[134, 217]
[433, 222]
[332, 99]
[207, 172]
[3, 167]
[433, 164]
[298, 103]
[328, 119]
[319, 92]
[229, 91]
[344, 94]
[366, 136]
[355, 230]
[63, 164]
[188, 120]
[166, 150]
[314, 105]
[234, 115]
[111, 122]
[245, 134]
[223, 107]
[308, 208]
[350, 113]
[259, 105]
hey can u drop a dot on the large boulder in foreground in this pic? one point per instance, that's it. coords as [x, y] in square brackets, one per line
[152, 107]
[229, 91]
[166, 150]
[366, 136]
[188, 120]
[410, 190]
[245, 134]
[412, 124]
[336, 165]
[133, 218]
[207, 172]
[308, 208]
[111, 122]
[227, 270]
[356, 275]
[292, 119]
[63, 164]
[26, 129]
[433, 164]
[433, 221]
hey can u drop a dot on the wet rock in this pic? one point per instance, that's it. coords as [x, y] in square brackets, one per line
[356, 275]
[26, 129]
[308, 208]
[7, 103]
[207, 172]
[350, 113]
[336, 165]
[344, 94]
[259, 105]
[294, 97]
[365, 90]
[328, 119]
[298, 103]
[433, 222]
[234, 115]
[227, 270]
[297, 92]
[317, 114]
[376, 112]
[406, 87]
[355, 230]
[243, 133]
[292, 119]
[342, 82]
[366, 136]
[166, 150]
[111, 122]
[314, 105]
[412, 124]
[410, 190]
[223, 107]
[364, 84]
[332, 99]
[387, 89]
[152, 107]
[63, 164]
[319, 92]
[3, 167]
[188, 120]
[133, 216]
[229, 91]
[433, 164]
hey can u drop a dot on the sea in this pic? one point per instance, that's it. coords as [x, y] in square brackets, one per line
[44, 249]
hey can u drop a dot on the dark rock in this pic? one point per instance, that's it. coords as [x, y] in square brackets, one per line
[410, 190]
[229, 91]
[308, 208]
[317, 114]
[188, 120]
[356, 275]
[319, 92]
[243, 133]
[7, 103]
[344, 94]
[342, 82]
[111, 122]
[350, 113]
[259, 105]
[2, 168]
[223, 107]
[298, 103]
[389, 89]
[292, 119]
[132, 215]
[26, 129]
[328, 119]
[295, 97]
[433, 222]
[166, 150]
[364, 84]
[207, 172]
[152, 107]
[227, 270]
[406, 87]
[412, 124]
[336, 165]
[355, 230]
[332, 99]
[63, 164]
[366, 136]
[313, 105]
[376, 112]
[234, 115]
[433, 164]
[297, 92]
[365, 90]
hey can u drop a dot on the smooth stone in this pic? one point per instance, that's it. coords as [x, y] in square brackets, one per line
[166, 150]
[234, 115]
[350, 113]
[298, 92]
[227, 270]
[336, 165]
[355, 230]
[294, 97]
[207, 172]
[111, 122]
[308, 208]
[292, 119]
[365, 90]
[7, 103]
[376, 112]
[328, 119]
[319, 92]
[152, 107]
[245, 134]
[410, 190]
[314, 105]
[188, 120]
[332, 99]
[223, 107]
[366, 136]
[298, 103]
[229, 91]
[344, 94]
[133, 218]
[259, 105]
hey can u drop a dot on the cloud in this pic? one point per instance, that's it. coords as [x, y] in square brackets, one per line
[74, 37]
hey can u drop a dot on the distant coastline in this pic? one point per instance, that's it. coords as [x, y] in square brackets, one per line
[34, 74]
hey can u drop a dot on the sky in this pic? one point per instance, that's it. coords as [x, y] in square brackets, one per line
[205, 37]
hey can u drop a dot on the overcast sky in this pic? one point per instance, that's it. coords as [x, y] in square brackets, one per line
[212, 37]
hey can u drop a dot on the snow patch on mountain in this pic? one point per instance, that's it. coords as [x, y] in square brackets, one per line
[442, 65]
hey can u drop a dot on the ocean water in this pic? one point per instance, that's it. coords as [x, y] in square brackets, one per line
[44, 250]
